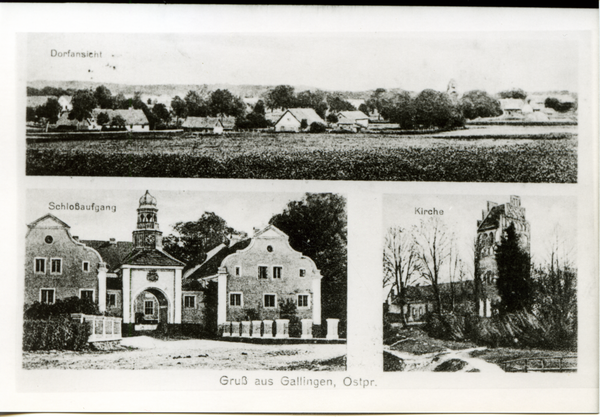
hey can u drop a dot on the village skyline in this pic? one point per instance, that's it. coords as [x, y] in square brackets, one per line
[313, 61]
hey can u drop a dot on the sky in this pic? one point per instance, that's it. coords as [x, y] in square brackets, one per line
[492, 61]
[242, 211]
[547, 215]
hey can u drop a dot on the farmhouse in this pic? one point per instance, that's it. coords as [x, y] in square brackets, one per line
[144, 285]
[511, 106]
[65, 103]
[135, 119]
[64, 123]
[353, 119]
[291, 120]
[495, 220]
[255, 275]
[203, 124]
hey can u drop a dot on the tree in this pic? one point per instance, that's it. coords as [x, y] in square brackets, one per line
[433, 246]
[30, 115]
[280, 97]
[104, 97]
[303, 124]
[179, 107]
[399, 264]
[559, 106]
[332, 118]
[364, 108]
[312, 100]
[196, 105]
[554, 288]
[514, 93]
[317, 227]
[316, 127]
[222, 102]
[435, 109]
[103, 118]
[118, 121]
[161, 114]
[50, 110]
[514, 273]
[195, 238]
[478, 103]
[83, 103]
[338, 104]
[259, 107]
[376, 100]
[401, 110]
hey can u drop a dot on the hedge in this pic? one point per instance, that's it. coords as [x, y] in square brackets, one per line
[55, 334]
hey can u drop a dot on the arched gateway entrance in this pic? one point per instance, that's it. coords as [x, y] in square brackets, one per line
[151, 307]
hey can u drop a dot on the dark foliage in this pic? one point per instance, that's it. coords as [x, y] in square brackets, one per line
[514, 274]
[478, 103]
[83, 103]
[435, 109]
[103, 118]
[338, 104]
[57, 333]
[289, 311]
[559, 106]
[61, 308]
[515, 93]
[49, 111]
[316, 127]
[317, 228]
[332, 118]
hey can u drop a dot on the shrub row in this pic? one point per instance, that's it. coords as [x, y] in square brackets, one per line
[523, 123]
[540, 161]
[521, 329]
[56, 333]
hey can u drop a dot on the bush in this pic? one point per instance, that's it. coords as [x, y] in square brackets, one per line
[65, 307]
[316, 127]
[60, 333]
[289, 311]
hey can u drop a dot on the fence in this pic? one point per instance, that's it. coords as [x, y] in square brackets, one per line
[549, 364]
[102, 328]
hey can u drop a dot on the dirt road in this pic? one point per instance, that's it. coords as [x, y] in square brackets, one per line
[143, 352]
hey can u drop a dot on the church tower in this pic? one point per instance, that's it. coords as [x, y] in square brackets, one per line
[147, 235]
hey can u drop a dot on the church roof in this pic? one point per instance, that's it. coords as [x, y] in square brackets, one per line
[492, 220]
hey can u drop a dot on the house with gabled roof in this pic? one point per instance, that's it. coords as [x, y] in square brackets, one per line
[353, 119]
[291, 120]
[255, 275]
[135, 119]
[64, 123]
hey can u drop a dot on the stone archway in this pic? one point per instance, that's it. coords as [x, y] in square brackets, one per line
[151, 307]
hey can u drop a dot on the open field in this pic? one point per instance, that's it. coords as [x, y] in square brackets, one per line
[385, 157]
[144, 352]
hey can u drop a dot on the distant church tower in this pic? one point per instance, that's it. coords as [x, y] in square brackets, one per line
[452, 91]
[147, 235]
[495, 220]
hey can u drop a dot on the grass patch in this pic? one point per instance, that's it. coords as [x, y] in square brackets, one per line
[417, 342]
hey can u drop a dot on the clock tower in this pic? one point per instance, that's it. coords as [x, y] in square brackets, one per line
[147, 235]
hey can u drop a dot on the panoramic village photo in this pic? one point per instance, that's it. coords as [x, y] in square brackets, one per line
[153, 279]
[478, 107]
[480, 284]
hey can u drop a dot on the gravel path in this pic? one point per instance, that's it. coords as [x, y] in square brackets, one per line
[143, 352]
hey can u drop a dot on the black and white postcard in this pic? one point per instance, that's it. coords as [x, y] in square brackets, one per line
[299, 209]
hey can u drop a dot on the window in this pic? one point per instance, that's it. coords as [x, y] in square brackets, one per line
[270, 301]
[40, 265]
[149, 307]
[86, 295]
[302, 272]
[56, 266]
[235, 299]
[47, 296]
[238, 271]
[263, 272]
[48, 239]
[270, 248]
[277, 271]
[189, 301]
[85, 266]
[111, 300]
[302, 300]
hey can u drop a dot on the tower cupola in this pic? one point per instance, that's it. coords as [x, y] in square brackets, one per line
[148, 234]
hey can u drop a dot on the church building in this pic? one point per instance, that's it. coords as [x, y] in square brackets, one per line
[495, 220]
